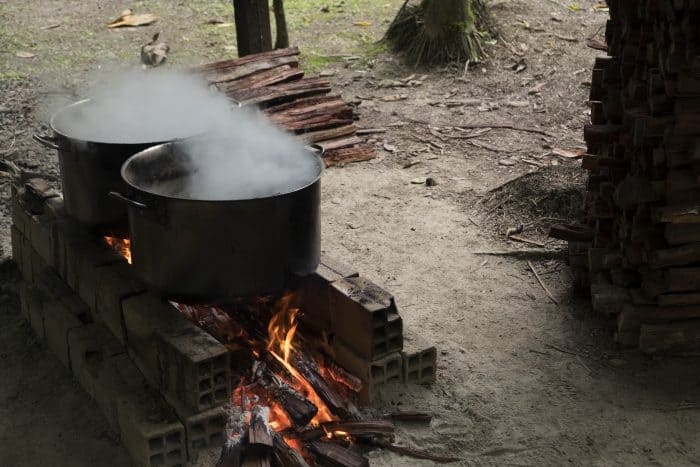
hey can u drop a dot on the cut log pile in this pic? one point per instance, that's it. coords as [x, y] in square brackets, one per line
[304, 106]
[638, 251]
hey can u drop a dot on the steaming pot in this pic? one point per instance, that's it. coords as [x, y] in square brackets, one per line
[199, 251]
[90, 170]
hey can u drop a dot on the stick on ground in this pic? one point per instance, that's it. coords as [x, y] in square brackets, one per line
[544, 287]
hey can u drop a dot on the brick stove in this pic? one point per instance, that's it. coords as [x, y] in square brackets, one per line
[161, 381]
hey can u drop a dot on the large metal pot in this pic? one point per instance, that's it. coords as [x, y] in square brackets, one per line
[90, 170]
[198, 250]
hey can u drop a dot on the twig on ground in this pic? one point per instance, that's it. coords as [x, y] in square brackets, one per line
[518, 238]
[525, 253]
[505, 127]
[559, 349]
[544, 287]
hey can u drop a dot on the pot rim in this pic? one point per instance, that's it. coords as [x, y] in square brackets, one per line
[160, 147]
[56, 114]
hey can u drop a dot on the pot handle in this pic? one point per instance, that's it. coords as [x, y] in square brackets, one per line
[317, 147]
[129, 201]
[46, 140]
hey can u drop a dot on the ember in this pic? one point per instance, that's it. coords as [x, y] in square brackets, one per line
[121, 246]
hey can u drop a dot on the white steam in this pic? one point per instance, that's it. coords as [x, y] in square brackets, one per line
[236, 154]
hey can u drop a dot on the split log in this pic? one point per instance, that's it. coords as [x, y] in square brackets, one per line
[236, 72]
[341, 376]
[339, 406]
[678, 256]
[359, 153]
[259, 431]
[331, 133]
[409, 416]
[683, 336]
[284, 92]
[281, 74]
[358, 429]
[332, 455]
[677, 214]
[340, 143]
[571, 232]
[679, 234]
[299, 408]
[286, 456]
[242, 61]
[256, 460]
[231, 452]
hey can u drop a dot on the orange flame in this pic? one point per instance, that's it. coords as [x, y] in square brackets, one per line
[281, 331]
[121, 246]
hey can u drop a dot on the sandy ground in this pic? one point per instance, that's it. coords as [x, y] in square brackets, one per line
[521, 381]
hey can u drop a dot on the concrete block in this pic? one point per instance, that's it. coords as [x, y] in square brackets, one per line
[315, 294]
[60, 316]
[196, 367]
[86, 259]
[68, 236]
[364, 316]
[205, 430]
[18, 240]
[33, 307]
[115, 282]
[149, 431]
[20, 216]
[374, 374]
[90, 348]
[144, 316]
[419, 360]
[48, 280]
[41, 236]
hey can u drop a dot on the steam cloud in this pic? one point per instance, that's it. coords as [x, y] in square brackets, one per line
[236, 154]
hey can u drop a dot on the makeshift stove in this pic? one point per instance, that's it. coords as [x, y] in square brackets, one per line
[274, 380]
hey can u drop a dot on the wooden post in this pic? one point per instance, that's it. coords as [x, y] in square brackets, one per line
[252, 26]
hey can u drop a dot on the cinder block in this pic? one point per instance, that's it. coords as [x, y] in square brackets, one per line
[48, 280]
[86, 261]
[17, 246]
[204, 431]
[364, 316]
[91, 347]
[315, 294]
[115, 282]
[41, 236]
[374, 374]
[33, 308]
[68, 236]
[419, 360]
[197, 369]
[20, 216]
[149, 430]
[60, 316]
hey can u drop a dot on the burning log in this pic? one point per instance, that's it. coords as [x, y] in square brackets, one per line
[331, 454]
[256, 461]
[231, 452]
[299, 408]
[342, 376]
[359, 429]
[286, 456]
[307, 367]
[259, 431]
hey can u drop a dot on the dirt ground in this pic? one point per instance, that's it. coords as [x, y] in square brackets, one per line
[521, 380]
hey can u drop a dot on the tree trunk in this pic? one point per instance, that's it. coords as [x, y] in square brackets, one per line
[443, 16]
[252, 26]
[282, 39]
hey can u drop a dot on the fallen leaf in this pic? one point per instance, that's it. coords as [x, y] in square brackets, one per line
[536, 88]
[507, 162]
[419, 180]
[50, 26]
[25, 55]
[129, 19]
[363, 24]
[389, 147]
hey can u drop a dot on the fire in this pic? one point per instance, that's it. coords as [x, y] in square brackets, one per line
[281, 331]
[121, 246]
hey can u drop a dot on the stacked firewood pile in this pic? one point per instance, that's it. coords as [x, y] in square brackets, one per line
[639, 250]
[273, 82]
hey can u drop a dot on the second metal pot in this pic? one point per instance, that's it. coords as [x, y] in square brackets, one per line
[200, 250]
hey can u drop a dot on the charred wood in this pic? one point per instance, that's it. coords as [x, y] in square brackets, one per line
[360, 429]
[286, 456]
[333, 455]
[298, 407]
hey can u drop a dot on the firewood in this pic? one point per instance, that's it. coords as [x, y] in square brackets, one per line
[333, 455]
[298, 407]
[689, 214]
[360, 429]
[223, 75]
[277, 75]
[340, 143]
[409, 416]
[331, 133]
[231, 452]
[677, 256]
[568, 232]
[286, 456]
[339, 406]
[259, 431]
[256, 460]
[287, 91]
[681, 336]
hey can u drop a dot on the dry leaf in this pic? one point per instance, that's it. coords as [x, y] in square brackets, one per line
[364, 24]
[129, 19]
[25, 55]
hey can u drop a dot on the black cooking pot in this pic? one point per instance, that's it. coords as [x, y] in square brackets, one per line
[202, 250]
[90, 170]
